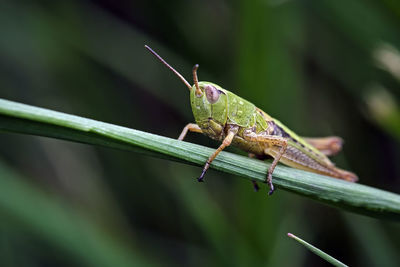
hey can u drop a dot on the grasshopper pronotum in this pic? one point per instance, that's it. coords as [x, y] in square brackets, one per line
[226, 117]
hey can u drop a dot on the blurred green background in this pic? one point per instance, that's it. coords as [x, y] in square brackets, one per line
[322, 67]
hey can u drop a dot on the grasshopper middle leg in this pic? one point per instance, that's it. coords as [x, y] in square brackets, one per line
[227, 141]
[270, 141]
[255, 185]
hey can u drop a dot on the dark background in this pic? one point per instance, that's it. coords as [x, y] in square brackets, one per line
[322, 67]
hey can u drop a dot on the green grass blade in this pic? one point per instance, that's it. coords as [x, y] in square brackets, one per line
[318, 252]
[21, 118]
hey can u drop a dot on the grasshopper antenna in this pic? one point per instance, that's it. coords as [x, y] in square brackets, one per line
[196, 81]
[171, 68]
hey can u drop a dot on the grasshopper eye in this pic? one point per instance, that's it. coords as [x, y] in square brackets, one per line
[212, 93]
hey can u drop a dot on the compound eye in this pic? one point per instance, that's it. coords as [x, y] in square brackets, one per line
[212, 93]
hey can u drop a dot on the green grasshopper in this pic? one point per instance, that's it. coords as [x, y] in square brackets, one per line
[226, 117]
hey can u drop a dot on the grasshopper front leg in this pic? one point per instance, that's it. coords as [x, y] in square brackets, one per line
[269, 141]
[193, 127]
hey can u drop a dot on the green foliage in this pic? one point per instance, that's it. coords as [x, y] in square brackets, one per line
[70, 230]
[317, 251]
[22, 118]
[321, 67]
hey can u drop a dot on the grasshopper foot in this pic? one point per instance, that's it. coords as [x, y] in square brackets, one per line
[270, 184]
[271, 189]
[201, 178]
[255, 186]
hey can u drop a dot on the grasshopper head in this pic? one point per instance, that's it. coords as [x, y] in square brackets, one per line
[208, 100]
[211, 103]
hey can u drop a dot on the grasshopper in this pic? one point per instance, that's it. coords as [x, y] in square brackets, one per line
[226, 117]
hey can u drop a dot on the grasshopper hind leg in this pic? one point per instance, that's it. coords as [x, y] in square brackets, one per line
[271, 168]
[269, 141]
